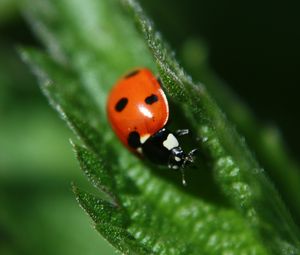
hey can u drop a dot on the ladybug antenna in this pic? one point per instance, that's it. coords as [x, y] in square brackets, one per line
[190, 157]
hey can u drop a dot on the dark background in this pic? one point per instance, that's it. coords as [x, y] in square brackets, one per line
[253, 46]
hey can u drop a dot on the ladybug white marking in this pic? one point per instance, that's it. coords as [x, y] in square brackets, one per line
[171, 142]
[139, 150]
[177, 159]
[144, 138]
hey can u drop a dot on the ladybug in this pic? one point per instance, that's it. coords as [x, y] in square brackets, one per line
[138, 112]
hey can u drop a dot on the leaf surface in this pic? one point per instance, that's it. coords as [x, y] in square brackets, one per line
[229, 205]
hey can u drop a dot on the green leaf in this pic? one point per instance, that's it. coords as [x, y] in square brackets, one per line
[109, 221]
[265, 140]
[229, 205]
[8, 10]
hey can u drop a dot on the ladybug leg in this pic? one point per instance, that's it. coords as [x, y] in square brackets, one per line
[182, 132]
[183, 177]
[188, 158]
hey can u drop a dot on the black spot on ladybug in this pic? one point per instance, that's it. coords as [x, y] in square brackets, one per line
[121, 104]
[131, 74]
[134, 139]
[151, 99]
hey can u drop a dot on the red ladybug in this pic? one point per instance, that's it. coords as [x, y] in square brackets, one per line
[138, 111]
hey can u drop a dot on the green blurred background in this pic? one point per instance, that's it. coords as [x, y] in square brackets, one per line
[253, 46]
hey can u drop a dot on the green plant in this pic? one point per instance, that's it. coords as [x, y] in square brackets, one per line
[229, 205]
